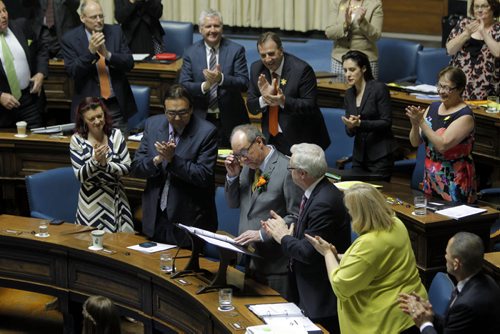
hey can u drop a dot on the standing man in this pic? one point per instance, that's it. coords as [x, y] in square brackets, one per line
[24, 65]
[474, 306]
[57, 16]
[322, 213]
[261, 185]
[177, 155]
[215, 73]
[283, 88]
[97, 57]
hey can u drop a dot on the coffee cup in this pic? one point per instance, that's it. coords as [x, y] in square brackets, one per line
[97, 236]
[21, 128]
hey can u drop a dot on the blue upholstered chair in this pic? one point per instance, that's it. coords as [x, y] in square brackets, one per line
[178, 36]
[418, 172]
[53, 194]
[141, 96]
[440, 292]
[397, 60]
[429, 63]
[341, 144]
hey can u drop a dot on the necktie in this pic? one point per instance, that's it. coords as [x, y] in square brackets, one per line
[49, 14]
[10, 70]
[103, 77]
[212, 102]
[273, 112]
[302, 204]
[164, 193]
[256, 177]
[454, 295]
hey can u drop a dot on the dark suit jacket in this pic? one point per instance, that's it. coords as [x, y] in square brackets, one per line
[36, 53]
[191, 196]
[324, 214]
[234, 67]
[476, 309]
[301, 120]
[373, 139]
[81, 67]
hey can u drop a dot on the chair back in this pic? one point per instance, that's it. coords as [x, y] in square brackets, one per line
[341, 144]
[429, 63]
[178, 36]
[141, 96]
[53, 194]
[440, 292]
[418, 172]
[397, 60]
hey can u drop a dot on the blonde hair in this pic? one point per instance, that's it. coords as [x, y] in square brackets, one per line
[368, 209]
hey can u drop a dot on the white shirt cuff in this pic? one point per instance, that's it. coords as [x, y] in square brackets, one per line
[424, 325]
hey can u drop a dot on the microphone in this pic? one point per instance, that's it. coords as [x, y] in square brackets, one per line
[178, 247]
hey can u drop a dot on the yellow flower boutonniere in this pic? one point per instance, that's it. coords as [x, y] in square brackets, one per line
[29, 41]
[262, 183]
[283, 82]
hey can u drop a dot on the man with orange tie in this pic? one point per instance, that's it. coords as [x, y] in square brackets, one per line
[283, 88]
[23, 67]
[97, 57]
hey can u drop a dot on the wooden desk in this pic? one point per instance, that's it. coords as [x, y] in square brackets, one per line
[59, 88]
[492, 265]
[487, 144]
[61, 265]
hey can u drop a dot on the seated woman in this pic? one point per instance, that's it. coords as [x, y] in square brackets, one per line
[447, 129]
[100, 316]
[378, 266]
[99, 156]
[368, 117]
[474, 45]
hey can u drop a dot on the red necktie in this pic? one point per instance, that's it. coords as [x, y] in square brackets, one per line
[103, 77]
[49, 14]
[273, 111]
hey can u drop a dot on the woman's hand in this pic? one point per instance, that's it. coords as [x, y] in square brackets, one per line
[415, 114]
[351, 122]
[100, 152]
[321, 245]
[472, 27]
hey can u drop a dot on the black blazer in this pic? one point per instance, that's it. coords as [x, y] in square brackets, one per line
[476, 309]
[324, 215]
[81, 67]
[191, 196]
[300, 120]
[373, 138]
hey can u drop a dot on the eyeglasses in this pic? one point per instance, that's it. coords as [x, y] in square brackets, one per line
[445, 89]
[244, 152]
[95, 17]
[180, 113]
[291, 168]
[478, 7]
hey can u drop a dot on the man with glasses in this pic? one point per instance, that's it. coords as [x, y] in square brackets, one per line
[177, 155]
[97, 57]
[259, 183]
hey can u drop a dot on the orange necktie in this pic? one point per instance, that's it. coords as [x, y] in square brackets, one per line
[273, 112]
[103, 77]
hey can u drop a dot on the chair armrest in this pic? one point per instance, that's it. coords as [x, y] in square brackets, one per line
[340, 163]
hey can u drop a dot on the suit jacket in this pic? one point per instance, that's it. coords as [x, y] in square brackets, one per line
[373, 138]
[36, 53]
[234, 67]
[475, 310]
[281, 195]
[324, 214]
[191, 195]
[81, 67]
[300, 120]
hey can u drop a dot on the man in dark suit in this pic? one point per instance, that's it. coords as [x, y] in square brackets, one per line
[261, 185]
[283, 88]
[25, 58]
[177, 155]
[216, 90]
[97, 57]
[322, 213]
[58, 19]
[475, 304]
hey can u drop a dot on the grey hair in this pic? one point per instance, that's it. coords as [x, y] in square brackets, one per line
[310, 158]
[84, 4]
[250, 131]
[469, 249]
[209, 13]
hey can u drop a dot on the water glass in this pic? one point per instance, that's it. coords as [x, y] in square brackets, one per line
[420, 205]
[43, 229]
[166, 263]
[226, 299]
[492, 104]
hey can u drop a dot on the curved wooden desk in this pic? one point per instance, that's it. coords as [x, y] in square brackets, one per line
[61, 265]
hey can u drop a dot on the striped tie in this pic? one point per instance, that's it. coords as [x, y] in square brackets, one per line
[10, 70]
[49, 14]
[212, 102]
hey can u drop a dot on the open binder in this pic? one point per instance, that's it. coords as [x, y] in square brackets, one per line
[227, 249]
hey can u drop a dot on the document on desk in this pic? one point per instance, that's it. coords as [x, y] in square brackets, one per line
[136, 137]
[461, 211]
[158, 248]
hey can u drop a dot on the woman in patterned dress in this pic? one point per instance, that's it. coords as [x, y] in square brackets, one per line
[447, 129]
[100, 158]
[474, 45]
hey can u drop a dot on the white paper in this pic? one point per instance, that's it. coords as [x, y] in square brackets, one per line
[426, 96]
[139, 56]
[423, 88]
[274, 329]
[284, 315]
[136, 137]
[220, 243]
[148, 250]
[202, 232]
[276, 309]
[460, 211]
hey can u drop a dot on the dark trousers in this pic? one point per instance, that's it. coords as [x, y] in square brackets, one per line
[116, 114]
[222, 137]
[29, 111]
[382, 166]
[331, 324]
[281, 143]
[166, 232]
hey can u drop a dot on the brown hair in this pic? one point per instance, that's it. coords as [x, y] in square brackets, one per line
[85, 105]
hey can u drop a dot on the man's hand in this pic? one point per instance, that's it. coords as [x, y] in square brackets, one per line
[97, 43]
[8, 101]
[213, 77]
[265, 88]
[232, 165]
[276, 227]
[166, 150]
[247, 237]
[420, 310]
[37, 80]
